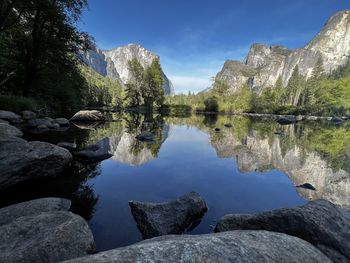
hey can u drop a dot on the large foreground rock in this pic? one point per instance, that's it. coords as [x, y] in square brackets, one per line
[175, 217]
[319, 222]
[43, 231]
[88, 115]
[236, 246]
[21, 160]
[7, 130]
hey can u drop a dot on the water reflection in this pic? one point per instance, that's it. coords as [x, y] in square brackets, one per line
[252, 166]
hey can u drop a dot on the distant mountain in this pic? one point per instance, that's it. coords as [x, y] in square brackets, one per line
[114, 63]
[264, 65]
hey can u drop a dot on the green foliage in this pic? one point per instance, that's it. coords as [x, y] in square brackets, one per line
[17, 104]
[211, 105]
[146, 86]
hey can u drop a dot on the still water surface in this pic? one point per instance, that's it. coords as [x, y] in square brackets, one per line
[250, 167]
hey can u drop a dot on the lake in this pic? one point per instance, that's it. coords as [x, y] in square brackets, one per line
[253, 166]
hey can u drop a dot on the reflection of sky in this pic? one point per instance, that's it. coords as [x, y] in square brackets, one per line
[186, 162]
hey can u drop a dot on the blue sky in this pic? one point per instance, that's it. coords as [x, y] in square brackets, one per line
[195, 37]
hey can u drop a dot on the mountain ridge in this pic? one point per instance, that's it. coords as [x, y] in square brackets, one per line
[264, 64]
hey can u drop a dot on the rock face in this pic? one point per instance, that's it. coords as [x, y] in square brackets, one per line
[175, 217]
[88, 116]
[319, 222]
[7, 130]
[21, 160]
[236, 246]
[43, 230]
[264, 65]
[114, 63]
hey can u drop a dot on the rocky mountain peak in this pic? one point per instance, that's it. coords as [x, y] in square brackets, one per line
[265, 64]
[113, 63]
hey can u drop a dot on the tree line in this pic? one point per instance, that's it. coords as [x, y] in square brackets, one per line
[320, 94]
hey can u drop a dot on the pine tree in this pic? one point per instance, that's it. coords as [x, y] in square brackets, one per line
[135, 85]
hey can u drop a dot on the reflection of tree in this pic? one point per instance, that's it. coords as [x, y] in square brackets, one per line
[137, 124]
[70, 184]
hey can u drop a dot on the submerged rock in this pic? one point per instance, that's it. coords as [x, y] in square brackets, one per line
[285, 120]
[88, 115]
[21, 160]
[175, 217]
[228, 125]
[7, 130]
[93, 153]
[236, 246]
[217, 129]
[43, 231]
[319, 222]
[145, 136]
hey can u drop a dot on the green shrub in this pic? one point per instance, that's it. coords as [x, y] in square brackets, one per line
[17, 104]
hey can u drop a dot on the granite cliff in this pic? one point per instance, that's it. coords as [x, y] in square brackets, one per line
[265, 64]
[114, 63]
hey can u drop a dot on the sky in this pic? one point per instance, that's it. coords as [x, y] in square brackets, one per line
[195, 37]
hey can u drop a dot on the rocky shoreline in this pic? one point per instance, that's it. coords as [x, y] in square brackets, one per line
[44, 230]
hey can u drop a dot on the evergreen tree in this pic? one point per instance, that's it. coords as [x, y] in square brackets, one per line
[135, 85]
[295, 87]
[152, 90]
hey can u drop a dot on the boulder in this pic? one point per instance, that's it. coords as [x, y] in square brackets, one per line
[286, 120]
[62, 121]
[70, 146]
[319, 222]
[36, 123]
[33, 207]
[7, 130]
[43, 231]
[93, 154]
[3, 121]
[21, 160]
[228, 125]
[217, 129]
[235, 246]
[28, 115]
[145, 136]
[88, 115]
[10, 116]
[175, 217]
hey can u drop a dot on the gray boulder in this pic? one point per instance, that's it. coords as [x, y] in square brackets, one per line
[336, 120]
[33, 207]
[10, 116]
[43, 122]
[3, 121]
[175, 217]
[9, 130]
[62, 121]
[286, 120]
[236, 246]
[28, 115]
[43, 231]
[21, 160]
[93, 153]
[88, 115]
[319, 222]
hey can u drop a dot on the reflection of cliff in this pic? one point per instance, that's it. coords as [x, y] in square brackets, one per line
[301, 166]
[127, 149]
